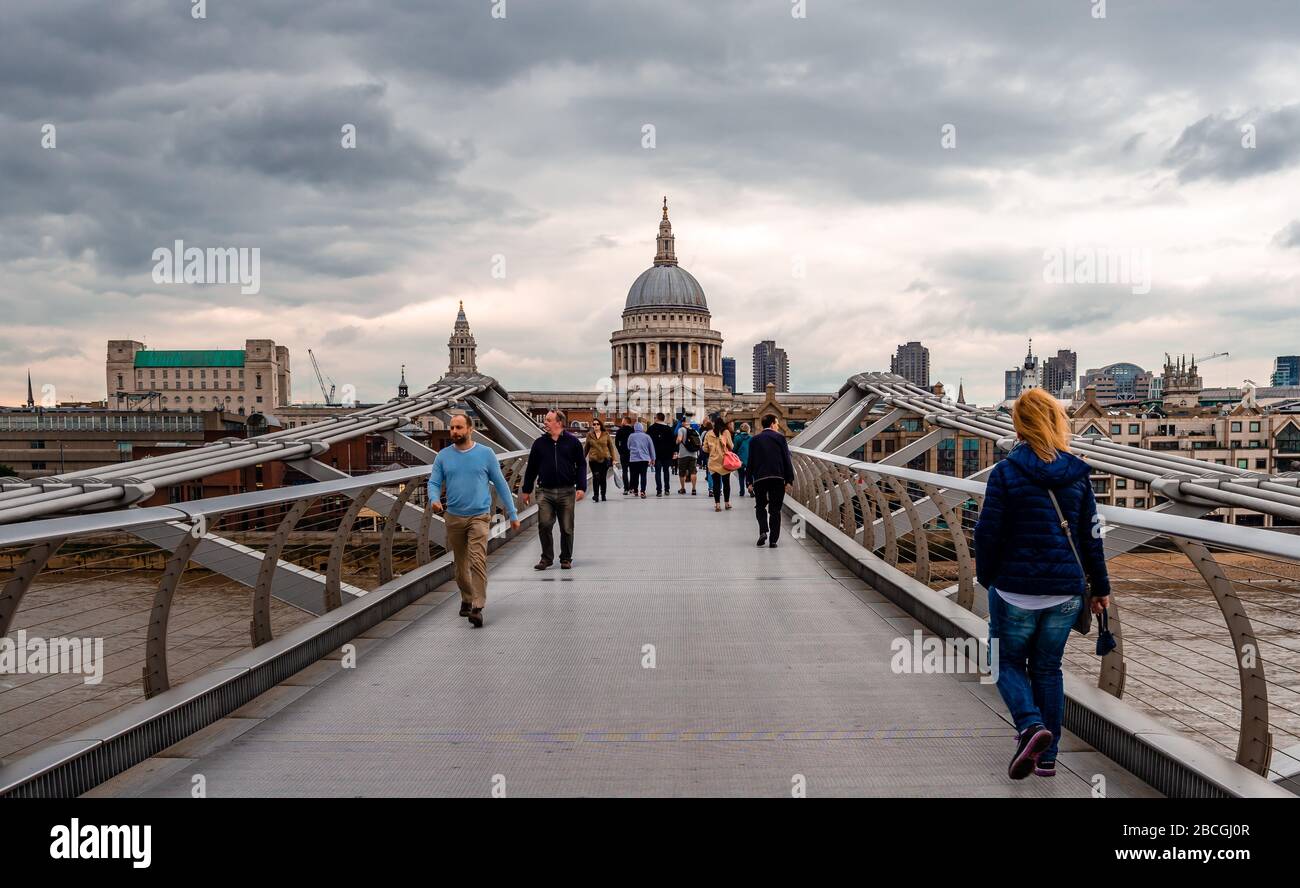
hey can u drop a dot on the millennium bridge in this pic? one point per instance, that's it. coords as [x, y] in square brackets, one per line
[303, 640]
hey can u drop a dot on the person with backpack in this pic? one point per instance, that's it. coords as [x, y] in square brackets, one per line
[718, 444]
[1039, 556]
[742, 451]
[688, 448]
[620, 441]
[771, 474]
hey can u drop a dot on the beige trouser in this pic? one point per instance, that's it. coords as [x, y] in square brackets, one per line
[467, 538]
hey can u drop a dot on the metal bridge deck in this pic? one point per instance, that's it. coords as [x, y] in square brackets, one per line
[770, 664]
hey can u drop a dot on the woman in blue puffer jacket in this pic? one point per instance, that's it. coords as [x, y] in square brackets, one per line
[1035, 582]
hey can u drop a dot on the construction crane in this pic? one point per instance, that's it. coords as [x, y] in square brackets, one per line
[1210, 358]
[329, 395]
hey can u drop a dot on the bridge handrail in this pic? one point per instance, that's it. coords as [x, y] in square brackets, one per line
[1250, 539]
[299, 543]
[904, 512]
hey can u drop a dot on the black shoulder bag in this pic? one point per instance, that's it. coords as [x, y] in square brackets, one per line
[1083, 622]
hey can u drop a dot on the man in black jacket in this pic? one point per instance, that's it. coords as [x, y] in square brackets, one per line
[620, 441]
[556, 463]
[665, 443]
[771, 473]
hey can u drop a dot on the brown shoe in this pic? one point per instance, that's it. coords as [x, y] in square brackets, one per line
[717, 508]
[728, 507]
[542, 565]
[566, 565]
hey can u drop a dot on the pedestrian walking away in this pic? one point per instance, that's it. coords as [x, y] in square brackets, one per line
[556, 464]
[688, 447]
[1038, 557]
[718, 445]
[641, 455]
[771, 474]
[665, 443]
[705, 428]
[742, 450]
[468, 472]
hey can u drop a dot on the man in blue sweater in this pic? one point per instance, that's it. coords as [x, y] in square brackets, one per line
[469, 471]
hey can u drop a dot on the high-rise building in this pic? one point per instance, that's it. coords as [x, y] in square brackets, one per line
[1059, 373]
[1011, 384]
[770, 366]
[729, 374]
[250, 380]
[462, 348]
[1286, 370]
[912, 362]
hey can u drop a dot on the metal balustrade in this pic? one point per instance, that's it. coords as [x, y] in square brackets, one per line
[172, 592]
[1206, 615]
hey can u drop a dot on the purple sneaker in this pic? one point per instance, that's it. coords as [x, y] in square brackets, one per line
[1032, 742]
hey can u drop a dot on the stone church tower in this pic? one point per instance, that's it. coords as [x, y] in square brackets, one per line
[462, 347]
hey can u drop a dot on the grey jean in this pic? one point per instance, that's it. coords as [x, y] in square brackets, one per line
[553, 503]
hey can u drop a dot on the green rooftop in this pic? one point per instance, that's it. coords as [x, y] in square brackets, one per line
[210, 357]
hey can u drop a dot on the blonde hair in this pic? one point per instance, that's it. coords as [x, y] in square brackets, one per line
[1041, 423]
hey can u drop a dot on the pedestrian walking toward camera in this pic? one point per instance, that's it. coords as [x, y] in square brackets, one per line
[620, 440]
[771, 474]
[469, 472]
[601, 454]
[557, 465]
[1038, 557]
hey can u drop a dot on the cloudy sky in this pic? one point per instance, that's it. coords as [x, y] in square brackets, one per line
[810, 188]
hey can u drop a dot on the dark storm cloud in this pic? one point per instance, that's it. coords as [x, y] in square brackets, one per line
[225, 132]
[1223, 147]
[19, 352]
[1289, 236]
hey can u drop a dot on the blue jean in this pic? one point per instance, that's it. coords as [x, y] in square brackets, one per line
[662, 477]
[1030, 646]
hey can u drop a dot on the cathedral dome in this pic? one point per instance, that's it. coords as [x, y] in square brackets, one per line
[665, 285]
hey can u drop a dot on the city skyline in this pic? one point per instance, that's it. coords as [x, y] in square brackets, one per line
[840, 237]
